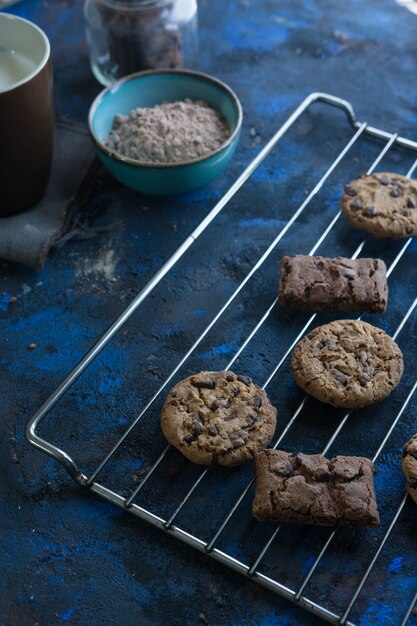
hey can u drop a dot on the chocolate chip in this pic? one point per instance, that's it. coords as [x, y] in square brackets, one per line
[404, 451]
[361, 355]
[384, 180]
[406, 212]
[237, 434]
[197, 430]
[219, 404]
[257, 401]
[350, 190]
[331, 343]
[188, 438]
[411, 203]
[285, 471]
[412, 483]
[319, 345]
[395, 193]
[362, 380]
[197, 425]
[244, 379]
[173, 394]
[340, 376]
[251, 419]
[235, 391]
[206, 383]
[311, 336]
[297, 459]
[349, 275]
[361, 219]
[230, 378]
[213, 431]
[229, 418]
[365, 369]
[413, 454]
[238, 438]
[356, 204]
[323, 476]
[372, 211]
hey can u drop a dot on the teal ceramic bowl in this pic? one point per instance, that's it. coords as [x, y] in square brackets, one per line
[146, 89]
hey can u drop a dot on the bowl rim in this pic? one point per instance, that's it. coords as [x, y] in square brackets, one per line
[123, 159]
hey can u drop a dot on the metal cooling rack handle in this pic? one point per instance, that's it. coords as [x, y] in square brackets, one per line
[32, 424]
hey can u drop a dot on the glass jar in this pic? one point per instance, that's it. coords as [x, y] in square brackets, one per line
[126, 36]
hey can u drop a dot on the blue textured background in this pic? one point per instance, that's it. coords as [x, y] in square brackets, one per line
[68, 557]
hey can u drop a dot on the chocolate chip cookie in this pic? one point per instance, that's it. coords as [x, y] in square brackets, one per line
[409, 458]
[316, 283]
[218, 417]
[310, 489]
[383, 204]
[347, 363]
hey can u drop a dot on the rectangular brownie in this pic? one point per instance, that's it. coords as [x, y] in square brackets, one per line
[316, 283]
[310, 489]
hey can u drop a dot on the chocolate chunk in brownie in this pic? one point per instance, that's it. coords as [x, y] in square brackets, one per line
[315, 283]
[310, 489]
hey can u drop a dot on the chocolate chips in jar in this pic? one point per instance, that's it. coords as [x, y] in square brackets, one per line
[133, 35]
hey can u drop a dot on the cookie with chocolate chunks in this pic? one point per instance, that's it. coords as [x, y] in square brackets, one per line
[347, 363]
[383, 204]
[409, 459]
[218, 418]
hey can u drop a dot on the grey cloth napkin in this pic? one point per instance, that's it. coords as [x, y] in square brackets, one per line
[27, 238]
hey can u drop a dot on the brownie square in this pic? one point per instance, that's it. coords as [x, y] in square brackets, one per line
[310, 489]
[315, 283]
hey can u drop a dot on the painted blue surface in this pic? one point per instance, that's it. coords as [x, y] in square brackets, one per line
[396, 564]
[70, 558]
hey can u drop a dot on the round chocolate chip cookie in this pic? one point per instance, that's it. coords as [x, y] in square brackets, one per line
[385, 205]
[347, 363]
[218, 417]
[409, 457]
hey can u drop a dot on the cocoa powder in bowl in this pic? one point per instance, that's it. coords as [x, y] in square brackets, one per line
[171, 132]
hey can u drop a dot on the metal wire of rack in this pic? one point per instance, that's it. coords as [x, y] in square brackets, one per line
[253, 570]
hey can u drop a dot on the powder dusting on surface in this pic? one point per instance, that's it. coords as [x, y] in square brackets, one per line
[170, 132]
[104, 265]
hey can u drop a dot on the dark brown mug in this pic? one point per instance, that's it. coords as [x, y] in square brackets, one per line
[26, 114]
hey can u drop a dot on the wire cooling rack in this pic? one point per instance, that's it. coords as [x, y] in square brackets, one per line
[273, 556]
